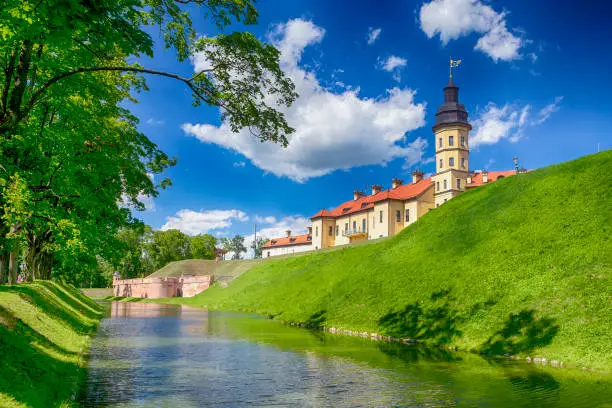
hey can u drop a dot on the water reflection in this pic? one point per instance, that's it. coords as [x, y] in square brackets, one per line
[149, 355]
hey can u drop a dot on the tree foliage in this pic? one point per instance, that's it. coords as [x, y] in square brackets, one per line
[72, 161]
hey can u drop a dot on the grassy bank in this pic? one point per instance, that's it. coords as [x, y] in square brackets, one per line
[520, 266]
[44, 331]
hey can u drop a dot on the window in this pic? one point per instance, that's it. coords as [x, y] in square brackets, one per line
[463, 162]
[451, 161]
[398, 216]
[354, 225]
[316, 231]
[381, 217]
[346, 227]
[441, 163]
[363, 225]
[451, 140]
[330, 231]
[440, 142]
[462, 141]
[407, 215]
[268, 253]
[445, 187]
[337, 230]
[437, 186]
[459, 184]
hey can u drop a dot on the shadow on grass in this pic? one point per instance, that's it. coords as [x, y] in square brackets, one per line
[14, 323]
[432, 322]
[316, 320]
[522, 332]
[34, 370]
[53, 306]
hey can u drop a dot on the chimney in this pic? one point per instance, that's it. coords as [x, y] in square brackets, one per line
[485, 177]
[288, 233]
[357, 195]
[395, 183]
[376, 189]
[417, 176]
[310, 230]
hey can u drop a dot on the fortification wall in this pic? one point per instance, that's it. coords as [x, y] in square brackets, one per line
[155, 288]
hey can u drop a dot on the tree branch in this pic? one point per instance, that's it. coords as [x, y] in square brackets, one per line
[200, 92]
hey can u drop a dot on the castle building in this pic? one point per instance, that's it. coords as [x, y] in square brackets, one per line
[384, 213]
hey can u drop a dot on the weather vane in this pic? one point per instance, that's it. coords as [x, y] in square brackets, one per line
[453, 64]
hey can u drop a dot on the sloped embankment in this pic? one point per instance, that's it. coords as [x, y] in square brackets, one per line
[44, 331]
[520, 266]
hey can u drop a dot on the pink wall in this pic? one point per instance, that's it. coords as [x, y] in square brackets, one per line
[155, 288]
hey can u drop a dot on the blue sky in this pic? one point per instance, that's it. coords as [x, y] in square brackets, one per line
[534, 79]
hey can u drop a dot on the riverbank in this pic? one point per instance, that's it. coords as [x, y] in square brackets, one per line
[45, 330]
[519, 267]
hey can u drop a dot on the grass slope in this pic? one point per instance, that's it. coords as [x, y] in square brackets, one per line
[520, 266]
[44, 330]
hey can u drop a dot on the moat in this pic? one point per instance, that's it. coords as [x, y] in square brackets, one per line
[150, 355]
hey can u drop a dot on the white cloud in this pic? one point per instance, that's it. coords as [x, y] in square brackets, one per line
[200, 222]
[155, 122]
[334, 130]
[393, 64]
[507, 122]
[453, 19]
[373, 34]
[548, 110]
[265, 220]
[239, 164]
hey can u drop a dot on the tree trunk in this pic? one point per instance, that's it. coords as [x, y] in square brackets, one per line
[3, 267]
[12, 268]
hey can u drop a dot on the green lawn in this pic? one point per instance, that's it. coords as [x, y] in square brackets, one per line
[520, 266]
[44, 331]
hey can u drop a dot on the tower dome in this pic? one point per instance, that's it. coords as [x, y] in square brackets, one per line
[451, 112]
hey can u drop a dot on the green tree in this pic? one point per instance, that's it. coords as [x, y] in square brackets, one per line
[70, 150]
[234, 245]
[257, 246]
[203, 246]
[168, 246]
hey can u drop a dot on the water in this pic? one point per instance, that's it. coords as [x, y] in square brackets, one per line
[148, 355]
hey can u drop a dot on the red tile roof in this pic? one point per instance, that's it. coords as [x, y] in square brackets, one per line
[287, 241]
[403, 192]
[493, 176]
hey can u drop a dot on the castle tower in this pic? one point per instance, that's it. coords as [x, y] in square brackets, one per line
[452, 149]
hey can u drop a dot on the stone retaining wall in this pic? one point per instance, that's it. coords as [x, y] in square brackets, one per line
[155, 288]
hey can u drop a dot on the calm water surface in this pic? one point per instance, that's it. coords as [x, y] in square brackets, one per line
[148, 355]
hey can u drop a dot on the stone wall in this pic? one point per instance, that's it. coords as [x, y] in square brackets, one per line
[155, 288]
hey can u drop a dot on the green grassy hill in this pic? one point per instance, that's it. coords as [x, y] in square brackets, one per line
[227, 270]
[520, 266]
[44, 331]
